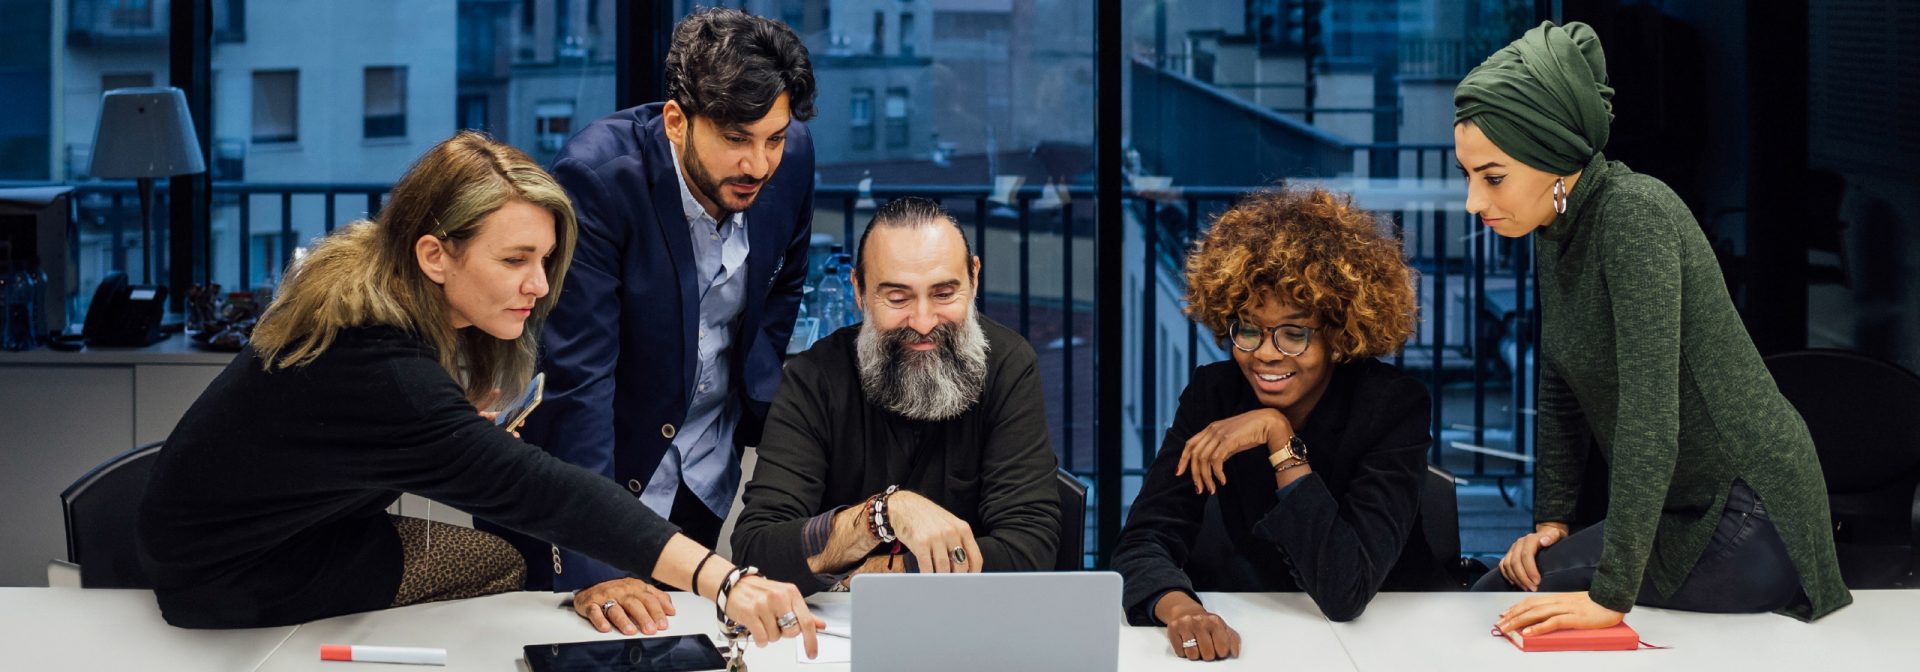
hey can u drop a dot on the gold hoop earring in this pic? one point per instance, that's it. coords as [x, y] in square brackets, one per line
[1560, 195]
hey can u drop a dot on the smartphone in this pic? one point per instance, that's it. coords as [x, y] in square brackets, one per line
[684, 653]
[511, 416]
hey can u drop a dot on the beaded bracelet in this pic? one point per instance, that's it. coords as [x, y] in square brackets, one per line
[878, 524]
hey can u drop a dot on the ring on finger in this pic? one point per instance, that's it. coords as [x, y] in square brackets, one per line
[789, 621]
[1191, 643]
[609, 605]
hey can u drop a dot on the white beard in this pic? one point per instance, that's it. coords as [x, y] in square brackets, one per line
[935, 384]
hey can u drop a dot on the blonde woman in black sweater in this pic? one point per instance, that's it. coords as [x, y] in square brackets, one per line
[267, 506]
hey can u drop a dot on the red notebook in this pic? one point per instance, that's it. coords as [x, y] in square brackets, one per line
[1616, 638]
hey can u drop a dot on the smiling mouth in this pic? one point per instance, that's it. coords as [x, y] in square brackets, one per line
[1274, 377]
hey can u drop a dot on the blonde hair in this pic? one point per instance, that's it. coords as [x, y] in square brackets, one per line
[366, 274]
[1315, 251]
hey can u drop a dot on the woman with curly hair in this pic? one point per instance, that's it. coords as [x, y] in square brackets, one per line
[1312, 448]
[1715, 498]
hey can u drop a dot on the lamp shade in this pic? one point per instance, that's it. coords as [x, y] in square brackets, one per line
[145, 132]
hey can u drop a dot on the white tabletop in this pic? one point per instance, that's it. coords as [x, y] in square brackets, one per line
[1451, 631]
[74, 629]
[63, 628]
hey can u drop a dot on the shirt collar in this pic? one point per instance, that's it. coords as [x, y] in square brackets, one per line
[690, 206]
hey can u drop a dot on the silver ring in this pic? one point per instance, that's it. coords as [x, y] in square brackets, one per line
[959, 555]
[789, 621]
[608, 605]
[1190, 644]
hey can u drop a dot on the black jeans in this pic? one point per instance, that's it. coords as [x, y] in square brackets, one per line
[1744, 569]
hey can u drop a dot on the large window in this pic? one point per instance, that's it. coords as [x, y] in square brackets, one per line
[310, 130]
[1356, 97]
[991, 102]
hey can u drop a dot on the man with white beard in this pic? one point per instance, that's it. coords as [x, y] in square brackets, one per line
[913, 441]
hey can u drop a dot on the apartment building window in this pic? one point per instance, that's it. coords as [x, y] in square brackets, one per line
[552, 123]
[276, 106]
[131, 13]
[896, 117]
[906, 33]
[860, 118]
[386, 101]
[879, 33]
[125, 80]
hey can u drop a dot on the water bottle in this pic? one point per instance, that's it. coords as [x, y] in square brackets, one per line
[16, 305]
[849, 310]
[828, 297]
[38, 309]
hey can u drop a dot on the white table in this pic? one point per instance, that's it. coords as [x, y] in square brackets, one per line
[74, 629]
[487, 634]
[1451, 631]
[63, 628]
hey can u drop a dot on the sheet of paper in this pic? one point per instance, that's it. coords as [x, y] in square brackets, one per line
[836, 650]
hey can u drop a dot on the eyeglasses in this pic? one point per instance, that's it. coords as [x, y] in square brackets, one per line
[1290, 339]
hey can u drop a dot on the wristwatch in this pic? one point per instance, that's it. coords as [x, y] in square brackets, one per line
[1295, 449]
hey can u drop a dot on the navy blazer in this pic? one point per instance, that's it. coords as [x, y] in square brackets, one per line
[619, 347]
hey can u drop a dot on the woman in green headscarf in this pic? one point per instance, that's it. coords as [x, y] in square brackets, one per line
[1716, 500]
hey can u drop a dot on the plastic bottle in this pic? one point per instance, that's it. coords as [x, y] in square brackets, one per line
[828, 297]
[38, 277]
[849, 311]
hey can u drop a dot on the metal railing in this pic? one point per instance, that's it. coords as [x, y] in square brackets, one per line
[1491, 356]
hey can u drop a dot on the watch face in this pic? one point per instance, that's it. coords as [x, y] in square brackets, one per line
[1298, 447]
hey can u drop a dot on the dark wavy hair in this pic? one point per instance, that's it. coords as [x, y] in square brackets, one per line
[1316, 251]
[729, 66]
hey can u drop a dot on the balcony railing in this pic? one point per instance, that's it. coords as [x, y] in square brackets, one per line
[1476, 300]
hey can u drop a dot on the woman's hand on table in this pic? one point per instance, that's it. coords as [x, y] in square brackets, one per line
[1541, 614]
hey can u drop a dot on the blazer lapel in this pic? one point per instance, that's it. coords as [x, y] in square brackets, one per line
[665, 192]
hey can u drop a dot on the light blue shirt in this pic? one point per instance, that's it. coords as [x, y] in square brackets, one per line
[702, 454]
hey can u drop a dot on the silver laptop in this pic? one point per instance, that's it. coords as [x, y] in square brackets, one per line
[998, 622]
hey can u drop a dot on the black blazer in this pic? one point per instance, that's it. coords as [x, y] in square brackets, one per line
[1336, 534]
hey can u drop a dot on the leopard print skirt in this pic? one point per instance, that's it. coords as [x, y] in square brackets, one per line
[453, 563]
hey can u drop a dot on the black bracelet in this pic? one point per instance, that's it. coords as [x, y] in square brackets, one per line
[694, 584]
[726, 589]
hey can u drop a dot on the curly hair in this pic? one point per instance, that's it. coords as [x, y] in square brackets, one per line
[1313, 250]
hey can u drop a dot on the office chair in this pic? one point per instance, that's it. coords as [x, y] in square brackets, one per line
[1072, 552]
[100, 510]
[1864, 415]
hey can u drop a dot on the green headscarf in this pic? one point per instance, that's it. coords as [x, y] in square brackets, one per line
[1543, 99]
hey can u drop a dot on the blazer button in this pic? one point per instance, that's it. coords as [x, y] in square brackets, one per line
[633, 484]
[666, 431]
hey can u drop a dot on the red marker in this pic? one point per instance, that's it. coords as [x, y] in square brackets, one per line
[384, 654]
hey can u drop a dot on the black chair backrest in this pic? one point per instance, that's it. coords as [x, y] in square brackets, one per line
[101, 509]
[1072, 552]
[1864, 415]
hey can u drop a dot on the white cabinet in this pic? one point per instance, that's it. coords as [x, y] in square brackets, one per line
[63, 413]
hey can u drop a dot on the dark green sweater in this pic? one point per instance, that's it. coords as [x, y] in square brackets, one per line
[1642, 347]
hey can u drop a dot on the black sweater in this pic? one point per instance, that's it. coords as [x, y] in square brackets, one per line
[826, 446]
[267, 506]
[1336, 533]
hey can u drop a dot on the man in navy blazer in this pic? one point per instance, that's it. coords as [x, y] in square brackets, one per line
[665, 347]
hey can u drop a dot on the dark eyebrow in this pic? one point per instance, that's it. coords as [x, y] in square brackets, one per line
[1489, 164]
[522, 248]
[741, 128]
[942, 285]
